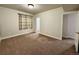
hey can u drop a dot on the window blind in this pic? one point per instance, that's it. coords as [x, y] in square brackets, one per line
[25, 21]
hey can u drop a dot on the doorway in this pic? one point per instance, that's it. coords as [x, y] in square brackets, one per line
[37, 25]
[69, 25]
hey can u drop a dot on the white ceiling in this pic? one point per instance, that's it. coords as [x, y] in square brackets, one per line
[41, 7]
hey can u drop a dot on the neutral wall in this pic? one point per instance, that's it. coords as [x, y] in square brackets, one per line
[51, 22]
[69, 25]
[10, 24]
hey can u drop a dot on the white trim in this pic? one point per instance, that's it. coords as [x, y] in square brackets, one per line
[2, 38]
[76, 41]
[51, 36]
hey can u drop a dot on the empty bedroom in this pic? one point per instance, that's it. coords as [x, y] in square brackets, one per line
[39, 29]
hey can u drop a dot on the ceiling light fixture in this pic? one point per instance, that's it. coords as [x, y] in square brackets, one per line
[30, 5]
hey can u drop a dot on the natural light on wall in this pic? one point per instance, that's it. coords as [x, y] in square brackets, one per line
[38, 25]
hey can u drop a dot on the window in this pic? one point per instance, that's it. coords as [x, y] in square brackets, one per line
[25, 22]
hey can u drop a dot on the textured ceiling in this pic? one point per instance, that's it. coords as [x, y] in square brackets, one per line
[41, 7]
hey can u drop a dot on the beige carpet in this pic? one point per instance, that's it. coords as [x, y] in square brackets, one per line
[34, 44]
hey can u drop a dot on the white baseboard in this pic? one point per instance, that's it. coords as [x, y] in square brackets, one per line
[28, 33]
[2, 38]
[51, 36]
